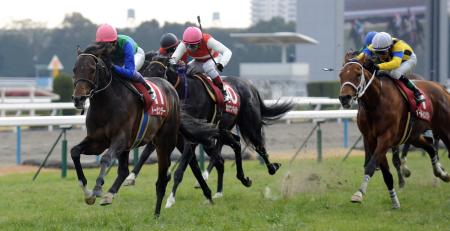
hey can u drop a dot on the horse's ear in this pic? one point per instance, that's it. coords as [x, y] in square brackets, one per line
[79, 51]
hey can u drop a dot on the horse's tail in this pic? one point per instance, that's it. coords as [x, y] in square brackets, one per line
[197, 131]
[254, 114]
[273, 112]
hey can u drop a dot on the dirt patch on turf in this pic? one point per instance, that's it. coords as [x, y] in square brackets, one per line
[19, 169]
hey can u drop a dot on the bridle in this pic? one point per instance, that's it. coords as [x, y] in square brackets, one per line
[363, 85]
[165, 72]
[99, 65]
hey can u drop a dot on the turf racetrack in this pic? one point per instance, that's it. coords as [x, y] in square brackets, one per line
[314, 197]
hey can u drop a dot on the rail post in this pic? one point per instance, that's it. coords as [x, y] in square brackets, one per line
[319, 139]
[19, 145]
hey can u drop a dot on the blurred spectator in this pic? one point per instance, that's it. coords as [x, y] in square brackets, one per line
[357, 33]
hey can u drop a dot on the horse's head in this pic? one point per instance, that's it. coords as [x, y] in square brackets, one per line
[351, 75]
[158, 66]
[89, 71]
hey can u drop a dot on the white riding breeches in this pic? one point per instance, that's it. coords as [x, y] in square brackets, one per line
[406, 67]
[208, 67]
[139, 58]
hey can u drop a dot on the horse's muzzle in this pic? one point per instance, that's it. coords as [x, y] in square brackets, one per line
[79, 101]
[345, 101]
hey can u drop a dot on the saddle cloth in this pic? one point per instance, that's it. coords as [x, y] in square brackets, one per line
[159, 106]
[232, 106]
[423, 111]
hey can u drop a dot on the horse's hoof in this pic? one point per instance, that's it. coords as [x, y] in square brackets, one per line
[246, 181]
[209, 202]
[357, 197]
[395, 203]
[197, 185]
[405, 172]
[445, 178]
[401, 183]
[90, 200]
[170, 201]
[273, 167]
[107, 199]
[97, 191]
[217, 195]
[156, 216]
[129, 182]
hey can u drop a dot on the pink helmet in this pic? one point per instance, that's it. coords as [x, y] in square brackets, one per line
[192, 35]
[106, 33]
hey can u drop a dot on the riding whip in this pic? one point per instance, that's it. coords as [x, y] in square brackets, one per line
[204, 43]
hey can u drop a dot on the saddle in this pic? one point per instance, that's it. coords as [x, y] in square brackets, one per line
[232, 106]
[423, 111]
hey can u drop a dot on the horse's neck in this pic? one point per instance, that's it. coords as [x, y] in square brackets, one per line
[371, 98]
[108, 99]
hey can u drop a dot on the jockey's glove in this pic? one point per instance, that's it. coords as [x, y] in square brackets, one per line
[172, 62]
[376, 67]
[219, 67]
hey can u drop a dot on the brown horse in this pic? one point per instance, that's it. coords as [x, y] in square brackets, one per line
[382, 116]
[113, 120]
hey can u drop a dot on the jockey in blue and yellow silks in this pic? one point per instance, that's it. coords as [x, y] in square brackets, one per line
[394, 57]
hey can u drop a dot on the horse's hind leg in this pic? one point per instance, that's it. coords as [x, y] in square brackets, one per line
[396, 161]
[131, 179]
[198, 175]
[438, 170]
[88, 147]
[389, 181]
[404, 169]
[122, 172]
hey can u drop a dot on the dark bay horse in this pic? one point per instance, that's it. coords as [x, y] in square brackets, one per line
[113, 120]
[381, 118]
[253, 115]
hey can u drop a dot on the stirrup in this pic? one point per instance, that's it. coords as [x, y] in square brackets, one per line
[226, 98]
[152, 95]
[420, 99]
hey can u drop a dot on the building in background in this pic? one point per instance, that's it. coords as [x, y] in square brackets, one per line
[264, 10]
[131, 18]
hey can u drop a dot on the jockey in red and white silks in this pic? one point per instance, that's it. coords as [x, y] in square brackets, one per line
[198, 46]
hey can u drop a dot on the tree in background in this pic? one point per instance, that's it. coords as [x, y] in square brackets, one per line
[24, 47]
[63, 86]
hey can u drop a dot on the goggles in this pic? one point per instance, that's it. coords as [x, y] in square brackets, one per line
[193, 46]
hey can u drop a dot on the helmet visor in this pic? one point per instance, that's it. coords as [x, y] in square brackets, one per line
[193, 47]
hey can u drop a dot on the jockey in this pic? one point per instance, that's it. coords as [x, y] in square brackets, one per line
[126, 55]
[199, 46]
[368, 41]
[169, 43]
[395, 57]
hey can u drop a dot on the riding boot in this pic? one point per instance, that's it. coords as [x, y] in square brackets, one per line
[139, 78]
[218, 82]
[417, 94]
[150, 91]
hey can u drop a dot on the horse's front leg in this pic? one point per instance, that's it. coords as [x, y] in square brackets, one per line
[131, 179]
[377, 159]
[89, 147]
[122, 172]
[369, 163]
[117, 146]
